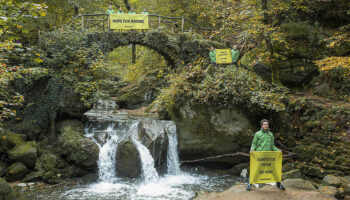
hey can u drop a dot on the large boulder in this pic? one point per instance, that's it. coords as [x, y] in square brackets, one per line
[78, 149]
[128, 160]
[331, 180]
[237, 169]
[6, 192]
[207, 131]
[16, 171]
[25, 152]
[299, 184]
[8, 140]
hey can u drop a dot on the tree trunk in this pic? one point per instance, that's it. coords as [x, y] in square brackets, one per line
[133, 53]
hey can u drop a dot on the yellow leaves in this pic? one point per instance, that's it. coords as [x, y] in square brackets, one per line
[38, 60]
[330, 63]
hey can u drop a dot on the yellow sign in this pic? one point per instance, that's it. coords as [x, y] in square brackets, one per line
[128, 21]
[223, 56]
[265, 166]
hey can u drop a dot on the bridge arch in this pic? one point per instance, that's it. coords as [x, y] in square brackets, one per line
[177, 48]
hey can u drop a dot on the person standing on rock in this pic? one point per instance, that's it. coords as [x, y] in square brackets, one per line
[264, 141]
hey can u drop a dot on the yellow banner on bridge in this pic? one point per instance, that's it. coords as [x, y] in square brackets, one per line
[223, 56]
[265, 166]
[128, 21]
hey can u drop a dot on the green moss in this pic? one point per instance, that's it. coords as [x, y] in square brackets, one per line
[16, 171]
[25, 153]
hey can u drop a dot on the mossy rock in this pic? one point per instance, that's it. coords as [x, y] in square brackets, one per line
[74, 125]
[8, 140]
[25, 153]
[49, 161]
[16, 171]
[6, 192]
[78, 149]
[34, 176]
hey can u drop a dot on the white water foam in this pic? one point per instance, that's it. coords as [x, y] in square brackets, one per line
[149, 173]
[106, 162]
[173, 163]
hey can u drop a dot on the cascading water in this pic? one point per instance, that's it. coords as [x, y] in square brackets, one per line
[149, 173]
[140, 133]
[173, 163]
[106, 161]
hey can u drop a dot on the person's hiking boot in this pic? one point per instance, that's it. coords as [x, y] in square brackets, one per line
[280, 186]
[248, 187]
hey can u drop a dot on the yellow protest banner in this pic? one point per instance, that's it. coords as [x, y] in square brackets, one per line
[128, 21]
[223, 56]
[265, 166]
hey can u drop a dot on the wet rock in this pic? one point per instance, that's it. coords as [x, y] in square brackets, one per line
[6, 192]
[128, 160]
[331, 180]
[299, 184]
[205, 131]
[101, 137]
[152, 134]
[328, 190]
[25, 152]
[237, 169]
[78, 149]
[16, 171]
[291, 174]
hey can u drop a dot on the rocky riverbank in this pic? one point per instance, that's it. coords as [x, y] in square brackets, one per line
[332, 187]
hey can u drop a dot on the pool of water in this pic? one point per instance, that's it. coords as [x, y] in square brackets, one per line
[167, 187]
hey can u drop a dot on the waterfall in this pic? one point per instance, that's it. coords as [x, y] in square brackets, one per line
[123, 130]
[106, 161]
[173, 163]
[149, 173]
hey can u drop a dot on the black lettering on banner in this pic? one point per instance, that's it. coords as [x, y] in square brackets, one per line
[261, 171]
[265, 164]
[268, 172]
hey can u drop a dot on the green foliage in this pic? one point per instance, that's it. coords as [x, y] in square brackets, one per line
[223, 88]
[320, 129]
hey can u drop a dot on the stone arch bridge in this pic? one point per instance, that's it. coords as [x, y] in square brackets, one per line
[172, 37]
[177, 48]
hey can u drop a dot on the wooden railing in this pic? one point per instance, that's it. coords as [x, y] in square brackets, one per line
[101, 22]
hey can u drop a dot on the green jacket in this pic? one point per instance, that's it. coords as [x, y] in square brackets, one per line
[212, 55]
[109, 11]
[234, 55]
[144, 13]
[120, 12]
[131, 12]
[263, 141]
